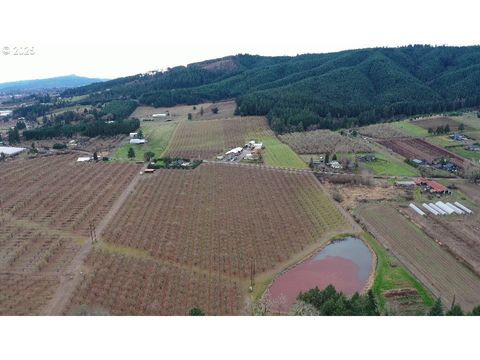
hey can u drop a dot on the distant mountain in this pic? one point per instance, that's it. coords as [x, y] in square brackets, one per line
[332, 90]
[60, 82]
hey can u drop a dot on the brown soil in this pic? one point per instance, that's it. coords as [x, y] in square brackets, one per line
[355, 195]
[437, 121]
[472, 191]
[457, 234]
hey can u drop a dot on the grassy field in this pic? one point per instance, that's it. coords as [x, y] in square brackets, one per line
[441, 140]
[280, 155]
[389, 166]
[157, 134]
[75, 98]
[390, 276]
[454, 146]
[410, 129]
[475, 135]
[471, 155]
[385, 165]
[469, 119]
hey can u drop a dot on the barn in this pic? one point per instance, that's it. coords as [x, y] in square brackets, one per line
[432, 186]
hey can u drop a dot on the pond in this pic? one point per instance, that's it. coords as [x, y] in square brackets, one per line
[346, 264]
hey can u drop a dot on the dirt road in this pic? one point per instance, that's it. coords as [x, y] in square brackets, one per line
[73, 275]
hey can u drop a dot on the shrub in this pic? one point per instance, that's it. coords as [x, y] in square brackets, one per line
[59, 146]
[337, 197]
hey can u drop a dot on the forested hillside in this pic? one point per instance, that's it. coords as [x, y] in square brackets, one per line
[333, 90]
[60, 82]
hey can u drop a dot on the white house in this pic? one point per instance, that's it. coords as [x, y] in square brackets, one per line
[133, 135]
[138, 141]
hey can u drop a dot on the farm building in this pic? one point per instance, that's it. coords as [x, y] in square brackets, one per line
[160, 115]
[234, 151]
[84, 158]
[405, 184]
[335, 165]
[432, 186]
[418, 161]
[10, 150]
[472, 147]
[317, 164]
[252, 144]
[254, 155]
[458, 137]
[133, 135]
[367, 157]
[138, 141]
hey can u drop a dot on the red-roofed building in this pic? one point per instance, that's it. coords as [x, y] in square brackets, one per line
[432, 186]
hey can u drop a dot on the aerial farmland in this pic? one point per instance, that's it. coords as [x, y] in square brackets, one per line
[138, 235]
[130, 206]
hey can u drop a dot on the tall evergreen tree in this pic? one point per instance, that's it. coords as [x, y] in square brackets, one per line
[437, 308]
[455, 310]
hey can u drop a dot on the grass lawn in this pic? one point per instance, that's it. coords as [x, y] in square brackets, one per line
[75, 98]
[157, 134]
[391, 275]
[385, 165]
[281, 155]
[475, 135]
[410, 129]
[390, 166]
[470, 119]
[471, 155]
[442, 140]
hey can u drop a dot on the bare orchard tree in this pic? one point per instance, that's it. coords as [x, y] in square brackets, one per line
[302, 308]
[267, 305]
[472, 173]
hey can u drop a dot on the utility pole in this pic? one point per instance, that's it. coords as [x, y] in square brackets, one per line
[252, 273]
[93, 235]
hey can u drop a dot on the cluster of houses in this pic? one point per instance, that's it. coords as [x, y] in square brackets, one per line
[440, 164]
[250, 151]
[320, 164]
[462, 137]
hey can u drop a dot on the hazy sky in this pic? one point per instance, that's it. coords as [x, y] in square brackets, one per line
[111, 39]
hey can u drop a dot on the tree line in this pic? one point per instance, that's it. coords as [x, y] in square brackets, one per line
[92, 129]
[330, 302]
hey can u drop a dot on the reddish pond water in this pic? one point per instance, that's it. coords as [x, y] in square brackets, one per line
[346, 264]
